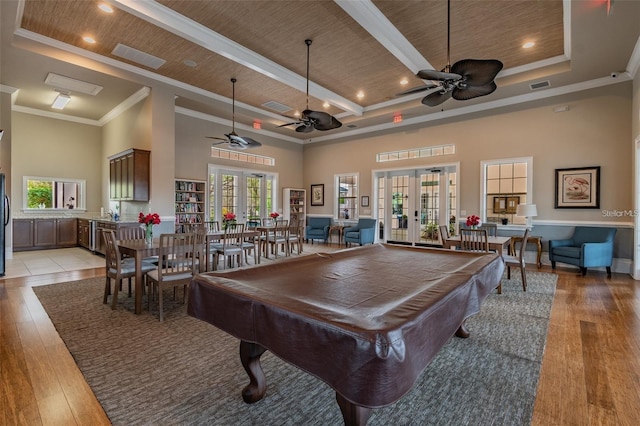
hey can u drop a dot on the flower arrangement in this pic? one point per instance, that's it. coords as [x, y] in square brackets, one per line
[148, 221]
[274, 215]
[473, 221]
[227, 218]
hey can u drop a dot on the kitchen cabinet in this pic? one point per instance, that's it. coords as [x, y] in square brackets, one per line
[105, 225]
[84, 233]
[129, 175]
[44, 233]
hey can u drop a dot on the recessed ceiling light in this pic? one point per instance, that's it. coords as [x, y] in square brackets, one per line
[404, 81]
[528, 45]
[326, 104]
[105, 8]
[360, 94]
[190, 63]
[89, 39]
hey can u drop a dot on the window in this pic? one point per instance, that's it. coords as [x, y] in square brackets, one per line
[347, 195]
[53, 193]
[507, 183]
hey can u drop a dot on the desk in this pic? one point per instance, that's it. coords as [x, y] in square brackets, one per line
[530, 239]
[138, 249]
[380, 341]
[495, 243]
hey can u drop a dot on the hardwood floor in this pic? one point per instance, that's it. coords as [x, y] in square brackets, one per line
[590, 372]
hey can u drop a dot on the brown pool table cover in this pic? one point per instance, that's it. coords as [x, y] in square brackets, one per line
[367, 321]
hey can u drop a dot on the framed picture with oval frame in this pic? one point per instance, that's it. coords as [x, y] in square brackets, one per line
[578, 188]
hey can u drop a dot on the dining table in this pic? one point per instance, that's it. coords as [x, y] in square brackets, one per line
[215, 236]
[138, 250]
[496, 244]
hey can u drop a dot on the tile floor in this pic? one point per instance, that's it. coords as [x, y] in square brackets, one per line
[40, 262]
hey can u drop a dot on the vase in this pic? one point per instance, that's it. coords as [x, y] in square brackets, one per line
[148, 234]
[474, 226]
[226, 223]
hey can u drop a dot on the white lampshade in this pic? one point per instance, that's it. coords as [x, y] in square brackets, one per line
[526, 210]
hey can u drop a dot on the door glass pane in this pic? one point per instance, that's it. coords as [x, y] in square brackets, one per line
[381, 205]
[429, 207]
[399, 207]
[254, 212]
[453, 212]
[229, 194]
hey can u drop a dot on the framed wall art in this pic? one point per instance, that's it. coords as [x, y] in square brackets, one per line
[578, 188]
[317, 194]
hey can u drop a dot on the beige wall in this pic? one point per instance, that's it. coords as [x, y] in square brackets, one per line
[48, 147]
[193, 153]
[594, 132]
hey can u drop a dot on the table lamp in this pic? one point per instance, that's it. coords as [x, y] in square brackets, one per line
[528, 211]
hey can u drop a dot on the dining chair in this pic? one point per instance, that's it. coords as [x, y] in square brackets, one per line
[517, 261]
[176, 267]
[492, 228]
[280, 238]
[212, 225]
[296, 236]
[118, 268]
[250, 245]
[135, 233]
[474, 240]
[444, 233]
[231, 245]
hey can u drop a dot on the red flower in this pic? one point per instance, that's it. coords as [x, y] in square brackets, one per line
[229, 216]
[150, 219]
[274, 215]
[473, 220]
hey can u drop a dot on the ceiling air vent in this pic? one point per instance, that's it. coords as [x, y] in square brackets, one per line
[276, 106]
[540, 85]
[351, 126]
[71, 84]
[138, 56]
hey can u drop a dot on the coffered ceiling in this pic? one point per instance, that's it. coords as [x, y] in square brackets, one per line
[359, 46]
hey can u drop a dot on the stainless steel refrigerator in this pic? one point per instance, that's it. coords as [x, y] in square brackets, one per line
[4, 220]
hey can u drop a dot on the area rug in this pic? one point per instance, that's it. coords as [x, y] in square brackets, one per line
[186, 372]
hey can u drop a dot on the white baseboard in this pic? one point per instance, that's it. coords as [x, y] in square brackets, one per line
[622, 266]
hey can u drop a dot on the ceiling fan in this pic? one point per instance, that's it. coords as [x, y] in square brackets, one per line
[310, 120]
[466, 79]
[235, 141]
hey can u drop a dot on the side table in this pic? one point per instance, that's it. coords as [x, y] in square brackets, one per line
[336, 229]
[533, 240]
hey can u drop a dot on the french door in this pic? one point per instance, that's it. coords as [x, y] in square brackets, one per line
[250, 195]
[412, 204]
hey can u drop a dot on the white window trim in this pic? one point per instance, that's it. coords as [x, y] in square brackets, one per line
[336, 195]
[483, 179]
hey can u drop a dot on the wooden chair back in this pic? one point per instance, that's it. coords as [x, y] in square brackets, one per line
[130, 233]
[444, 233]
[212, 226]
[474, 240]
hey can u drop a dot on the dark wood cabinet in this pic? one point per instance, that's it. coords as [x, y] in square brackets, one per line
[36, 234]
[84, 233]
[129, 175]
[22, 234]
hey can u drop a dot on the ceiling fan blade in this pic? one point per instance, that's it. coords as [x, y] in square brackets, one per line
[289, 124]
[477, 72]
[217, 138]
[418, 89]
[438, 75]
[321, 120]
[436, 98]
[305, 128]
[243, 141]
[470, 92]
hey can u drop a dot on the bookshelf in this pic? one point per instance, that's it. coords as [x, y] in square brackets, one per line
[294, 202]
[190, 196]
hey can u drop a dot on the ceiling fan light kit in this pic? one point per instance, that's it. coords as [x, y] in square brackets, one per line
[466, 79]
[313, 120]
[235, 141]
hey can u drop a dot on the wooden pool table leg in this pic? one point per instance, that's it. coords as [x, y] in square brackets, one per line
[250, 357]
[354, 415]
[462, 331]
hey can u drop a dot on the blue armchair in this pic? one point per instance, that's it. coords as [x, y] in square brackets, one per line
[363, 233]
[317, 229]
[588, 247]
